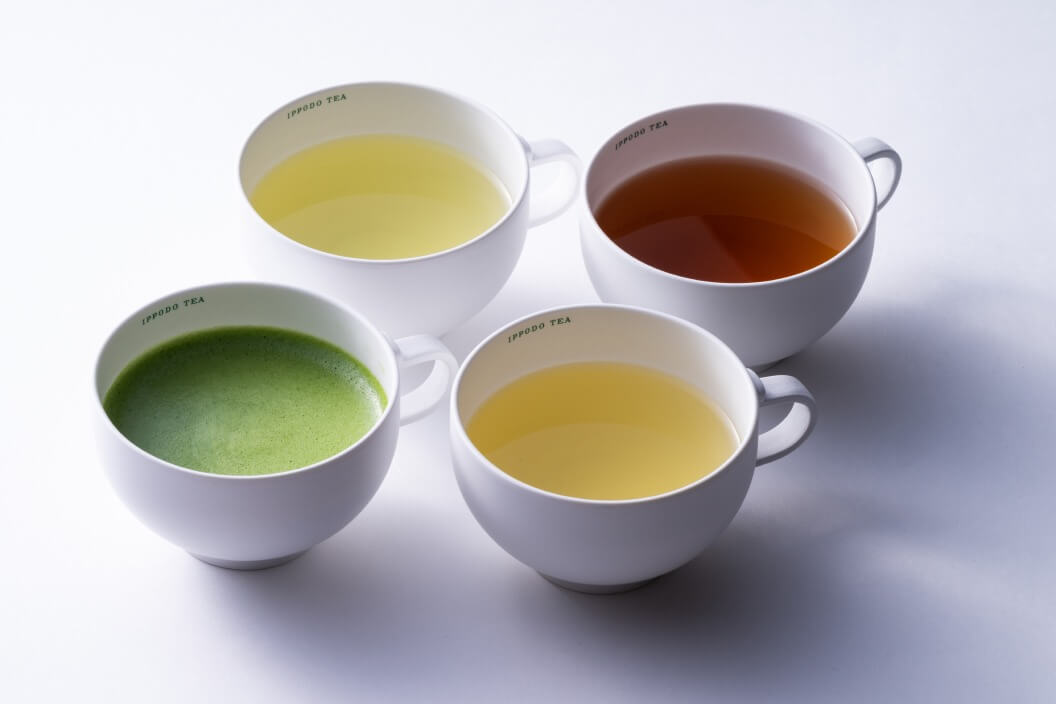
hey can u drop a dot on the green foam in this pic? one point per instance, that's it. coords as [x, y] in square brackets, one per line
[245, 400]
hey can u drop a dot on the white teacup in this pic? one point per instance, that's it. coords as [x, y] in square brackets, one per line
[608, 546]
[251, 522]
[432, 293]
[766, 321]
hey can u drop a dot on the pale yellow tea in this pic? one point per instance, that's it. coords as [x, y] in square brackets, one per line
[603, 430]
[380, 196]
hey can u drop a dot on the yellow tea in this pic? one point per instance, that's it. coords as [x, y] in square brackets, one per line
[603, 430]
[380, 196]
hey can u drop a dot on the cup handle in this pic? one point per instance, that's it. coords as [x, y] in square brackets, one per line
[418, 349]
[871, 149]
[555, 200]
[794, 427]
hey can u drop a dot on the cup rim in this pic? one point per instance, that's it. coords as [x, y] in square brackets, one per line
[515, 202]
[491, 467]
[208, 476]
[844, 144]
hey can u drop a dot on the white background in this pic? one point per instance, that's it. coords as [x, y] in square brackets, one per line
[905, 553]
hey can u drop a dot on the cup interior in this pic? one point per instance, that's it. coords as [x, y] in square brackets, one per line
[246, 304]
[735, 130]
[609, 333]
[386, 108]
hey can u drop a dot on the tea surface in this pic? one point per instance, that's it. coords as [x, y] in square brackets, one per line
[380, 196]
[602, 430]
[244, 400]
[726, 219]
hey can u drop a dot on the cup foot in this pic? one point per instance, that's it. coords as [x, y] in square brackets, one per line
[249, 564]
[596, 588]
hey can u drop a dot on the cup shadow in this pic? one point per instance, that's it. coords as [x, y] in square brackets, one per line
[344, 612]
[911, 387]
[778, 595]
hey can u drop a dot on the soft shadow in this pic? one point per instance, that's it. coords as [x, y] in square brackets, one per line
[912, 388]
[809, 577]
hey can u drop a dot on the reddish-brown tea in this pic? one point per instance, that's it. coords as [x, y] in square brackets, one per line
[726, 219]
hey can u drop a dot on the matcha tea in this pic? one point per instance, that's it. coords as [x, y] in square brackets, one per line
[244, 400]
[380, 196]
[603, 430]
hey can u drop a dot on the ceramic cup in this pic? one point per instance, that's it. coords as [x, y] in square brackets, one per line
[608, 546]
[432, 293]
[250, 522]
[766, 321]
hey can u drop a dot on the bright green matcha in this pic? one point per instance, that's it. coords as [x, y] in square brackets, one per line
[244, 400]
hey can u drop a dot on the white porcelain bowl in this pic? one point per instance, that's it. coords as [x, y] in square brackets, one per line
[606, 546]
[766, 321]
[250, 522]
[432, 293]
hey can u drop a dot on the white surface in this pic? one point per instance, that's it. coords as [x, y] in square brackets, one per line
[904, 553]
